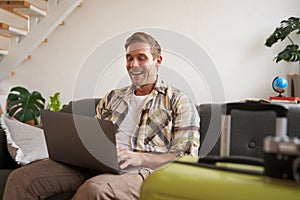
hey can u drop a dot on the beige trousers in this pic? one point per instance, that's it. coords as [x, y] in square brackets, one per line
[43, 179]
[110, 186]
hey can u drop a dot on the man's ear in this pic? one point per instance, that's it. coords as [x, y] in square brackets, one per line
[159, 60]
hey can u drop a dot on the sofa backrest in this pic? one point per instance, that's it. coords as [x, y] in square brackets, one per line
[247, 128]
[86, 107]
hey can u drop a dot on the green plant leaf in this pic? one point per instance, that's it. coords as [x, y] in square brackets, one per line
[290, 54]
[23, 105]
[55, 103]
[285, 28]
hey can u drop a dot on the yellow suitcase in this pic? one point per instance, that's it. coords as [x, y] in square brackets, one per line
[189, 180]
[226, 177]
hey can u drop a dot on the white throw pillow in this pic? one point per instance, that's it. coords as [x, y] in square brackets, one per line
[25, 143]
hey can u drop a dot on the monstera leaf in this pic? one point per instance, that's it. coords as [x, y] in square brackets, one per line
[23, 105]
[283, 31]
[291, 53]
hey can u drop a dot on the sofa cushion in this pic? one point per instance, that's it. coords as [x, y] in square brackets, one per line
[3, 177]
[25, 143]
[210, 127]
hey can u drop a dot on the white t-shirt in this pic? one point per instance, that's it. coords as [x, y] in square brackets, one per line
[127, 127]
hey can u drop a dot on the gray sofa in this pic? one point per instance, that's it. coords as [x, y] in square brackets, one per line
[248, 129]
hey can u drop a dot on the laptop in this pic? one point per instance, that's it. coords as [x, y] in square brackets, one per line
[81, 141]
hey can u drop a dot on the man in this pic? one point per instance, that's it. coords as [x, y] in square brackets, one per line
[156, 124]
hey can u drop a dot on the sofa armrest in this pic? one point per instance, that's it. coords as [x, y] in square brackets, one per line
[6, 161]
[248, 129]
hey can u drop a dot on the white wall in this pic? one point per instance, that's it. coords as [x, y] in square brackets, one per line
[231, 34]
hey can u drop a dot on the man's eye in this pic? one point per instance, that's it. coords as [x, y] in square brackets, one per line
[142, 58]
[129, 58]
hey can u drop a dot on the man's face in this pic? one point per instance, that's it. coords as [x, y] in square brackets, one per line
[141, 66]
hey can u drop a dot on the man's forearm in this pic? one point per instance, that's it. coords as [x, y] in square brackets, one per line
[155, 160]
[150, 160]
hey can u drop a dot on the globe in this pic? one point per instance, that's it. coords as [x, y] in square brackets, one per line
[279, 85]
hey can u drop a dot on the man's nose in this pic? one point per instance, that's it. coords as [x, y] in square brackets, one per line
[134, 62]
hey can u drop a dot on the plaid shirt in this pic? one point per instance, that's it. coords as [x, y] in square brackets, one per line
[169, 122]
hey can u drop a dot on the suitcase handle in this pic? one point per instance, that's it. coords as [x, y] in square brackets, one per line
[210, 163]
[233, 159]
[280, 110]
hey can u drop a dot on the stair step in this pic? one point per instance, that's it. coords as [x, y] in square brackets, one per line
[9, 30]
[38, 29]
[23, 8]
[3, 52]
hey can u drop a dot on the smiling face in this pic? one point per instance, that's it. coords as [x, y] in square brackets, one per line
[141, 66]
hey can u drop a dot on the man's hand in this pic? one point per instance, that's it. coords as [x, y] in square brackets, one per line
[129, 158]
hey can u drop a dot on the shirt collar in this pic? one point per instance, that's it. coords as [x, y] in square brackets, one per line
[160, 87]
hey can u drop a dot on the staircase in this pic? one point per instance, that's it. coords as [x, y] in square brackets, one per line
[41, 20]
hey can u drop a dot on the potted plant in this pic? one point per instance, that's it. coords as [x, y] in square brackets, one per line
[25, 106]
[55, 103]
[291, 53]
